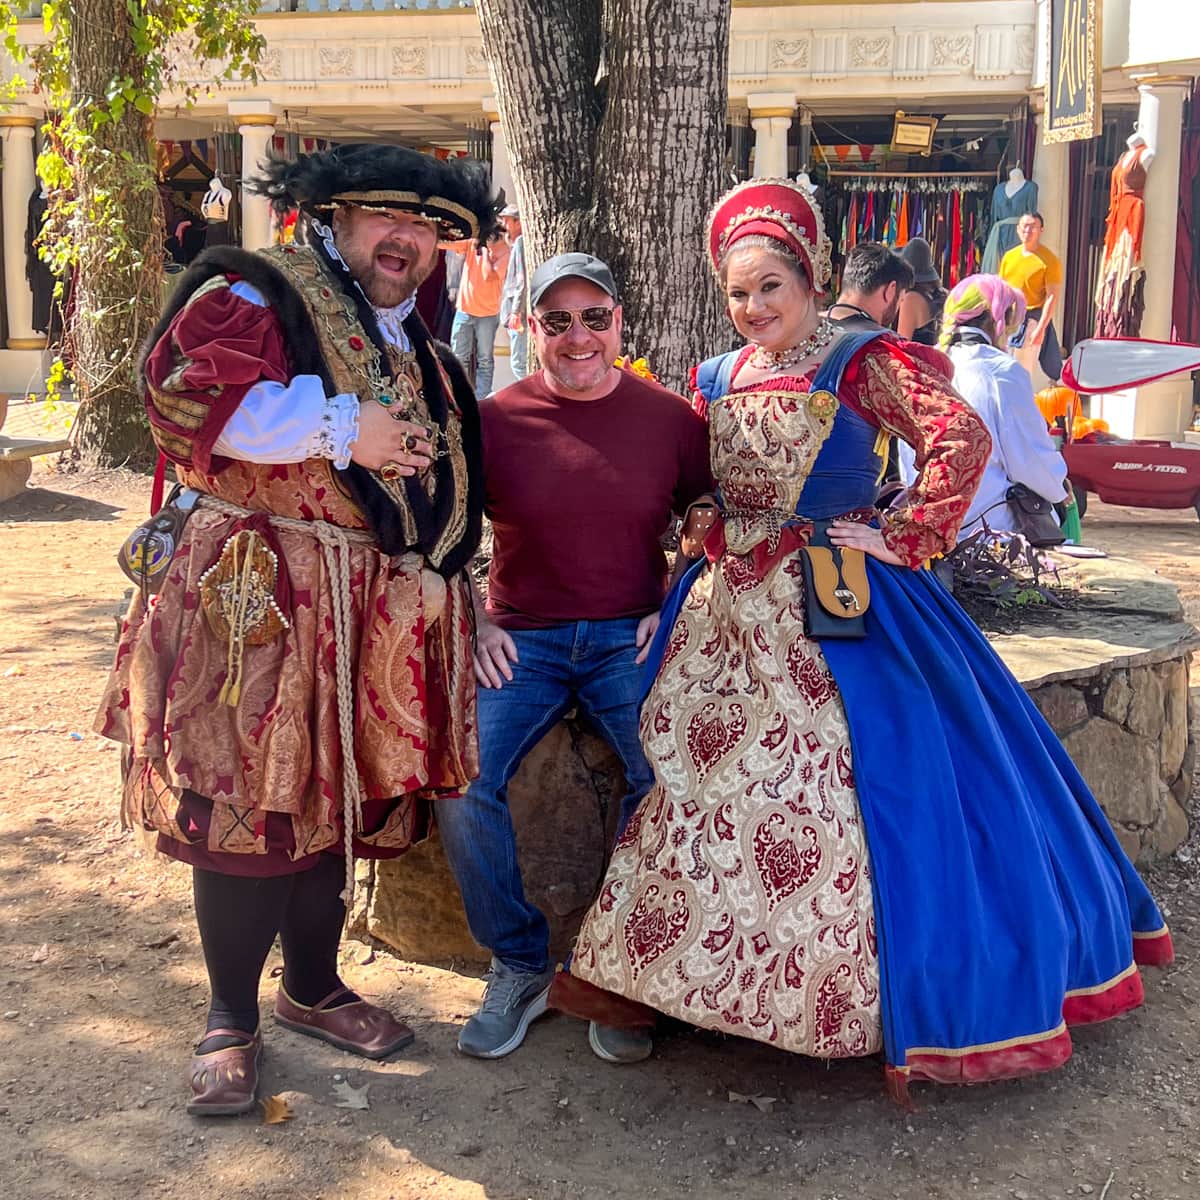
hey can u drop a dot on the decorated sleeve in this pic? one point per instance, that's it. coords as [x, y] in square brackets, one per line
[909, 392]
[218, 346]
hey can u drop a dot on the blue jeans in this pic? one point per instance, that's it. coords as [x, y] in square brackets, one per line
[586, 663]
[518, 345]
[474, 338]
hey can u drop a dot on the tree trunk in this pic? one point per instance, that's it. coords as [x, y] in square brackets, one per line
[117, 229]
[625, 167]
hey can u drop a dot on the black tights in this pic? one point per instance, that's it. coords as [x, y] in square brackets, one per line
[239, 919]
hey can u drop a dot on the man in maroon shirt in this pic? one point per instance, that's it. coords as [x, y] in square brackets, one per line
[583, 465]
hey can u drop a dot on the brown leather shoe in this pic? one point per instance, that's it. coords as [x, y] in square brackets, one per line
[225, 1082]
[357, 1027]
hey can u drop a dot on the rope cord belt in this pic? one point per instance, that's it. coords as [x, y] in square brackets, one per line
[336, 544]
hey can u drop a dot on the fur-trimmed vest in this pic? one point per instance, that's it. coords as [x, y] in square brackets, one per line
[331, 332]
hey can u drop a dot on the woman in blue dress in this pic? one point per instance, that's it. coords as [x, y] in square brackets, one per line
[853, 845]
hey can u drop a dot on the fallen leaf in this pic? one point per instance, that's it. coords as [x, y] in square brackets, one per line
[348, 1096]
[762, 1103]
[163, 942]
[738, 1098]
[275, 1110]
[41, 953]
[14, 671]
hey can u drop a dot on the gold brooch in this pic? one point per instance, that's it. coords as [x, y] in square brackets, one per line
[822, 404]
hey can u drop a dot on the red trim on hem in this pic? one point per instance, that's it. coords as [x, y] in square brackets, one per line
[1154, 950]
[578, 998]
[1127, 993]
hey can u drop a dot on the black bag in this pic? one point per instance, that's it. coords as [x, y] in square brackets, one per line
[1035, 517]
[836, 590]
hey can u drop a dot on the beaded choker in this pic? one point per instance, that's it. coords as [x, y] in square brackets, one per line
[768, 360]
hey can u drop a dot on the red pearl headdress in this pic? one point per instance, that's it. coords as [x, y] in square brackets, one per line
[774, 208]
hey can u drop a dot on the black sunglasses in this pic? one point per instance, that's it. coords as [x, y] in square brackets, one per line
[558, 320]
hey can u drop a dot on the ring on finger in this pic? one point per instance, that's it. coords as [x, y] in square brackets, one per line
[390, 472]
[410, 442]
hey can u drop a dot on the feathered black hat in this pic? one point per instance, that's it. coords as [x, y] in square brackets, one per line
[455, 192]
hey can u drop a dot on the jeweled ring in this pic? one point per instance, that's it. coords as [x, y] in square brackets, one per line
[410, 442]
[390, 472]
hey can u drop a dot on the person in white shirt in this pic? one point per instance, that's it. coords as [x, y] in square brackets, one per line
[978, 317]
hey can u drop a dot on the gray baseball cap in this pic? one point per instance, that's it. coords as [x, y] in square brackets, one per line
[570, 266]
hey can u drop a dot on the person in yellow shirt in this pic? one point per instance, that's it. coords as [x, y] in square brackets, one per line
[1035, 272]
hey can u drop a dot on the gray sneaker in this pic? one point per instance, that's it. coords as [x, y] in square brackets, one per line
[619, 1045]
[513, 1000]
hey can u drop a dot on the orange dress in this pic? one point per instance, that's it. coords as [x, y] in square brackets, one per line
[1120, 299]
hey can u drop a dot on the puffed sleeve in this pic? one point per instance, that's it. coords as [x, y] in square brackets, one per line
[218, 346]
[909, 392]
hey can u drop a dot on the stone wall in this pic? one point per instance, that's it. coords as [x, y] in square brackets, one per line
[1126, 729]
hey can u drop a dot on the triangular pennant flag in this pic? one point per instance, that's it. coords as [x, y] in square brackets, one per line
[1110, 364]
[865, 152]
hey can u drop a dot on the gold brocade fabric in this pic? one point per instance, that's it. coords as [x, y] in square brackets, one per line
[739, 897]
[278, 750]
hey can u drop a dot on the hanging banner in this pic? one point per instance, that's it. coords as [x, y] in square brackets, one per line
[1073, 71]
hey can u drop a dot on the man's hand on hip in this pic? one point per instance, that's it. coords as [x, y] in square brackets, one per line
[647, 628]
[494, 651]
[382, 440]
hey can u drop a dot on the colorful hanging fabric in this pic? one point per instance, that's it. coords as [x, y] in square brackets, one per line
[902, 224]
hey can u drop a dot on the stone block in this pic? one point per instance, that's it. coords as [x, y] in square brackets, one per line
[1117, 695]
[1173, 741]
[1130, 842]
[13, 478]
[1146, 710]
[565, 802]
[1063, 706]
[1169, 832]
[1121, 770]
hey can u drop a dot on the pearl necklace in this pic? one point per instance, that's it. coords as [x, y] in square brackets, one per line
[768, 360]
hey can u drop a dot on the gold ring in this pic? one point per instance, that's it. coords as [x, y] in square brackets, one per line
[390, 472]
[410, 442]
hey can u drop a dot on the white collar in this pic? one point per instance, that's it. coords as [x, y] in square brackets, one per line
[391, 322]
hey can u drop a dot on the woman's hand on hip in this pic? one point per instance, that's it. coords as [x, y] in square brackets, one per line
[865, 538]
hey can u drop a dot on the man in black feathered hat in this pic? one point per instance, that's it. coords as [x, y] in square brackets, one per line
[301, 687]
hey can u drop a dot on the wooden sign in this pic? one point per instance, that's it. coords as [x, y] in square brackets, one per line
[1073, 70]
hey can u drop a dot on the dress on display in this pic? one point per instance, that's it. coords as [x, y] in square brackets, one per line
[1120, 292]
[855, 845]
[1006, 212]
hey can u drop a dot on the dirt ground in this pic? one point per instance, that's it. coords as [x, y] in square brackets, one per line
[102, 992]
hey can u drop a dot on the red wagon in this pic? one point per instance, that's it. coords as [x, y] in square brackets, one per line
[1143, 474]
[1149, 474]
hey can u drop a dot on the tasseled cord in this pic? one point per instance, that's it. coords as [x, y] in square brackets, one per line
[231, 689]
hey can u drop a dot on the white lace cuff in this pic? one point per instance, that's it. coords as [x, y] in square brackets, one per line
[286, 423]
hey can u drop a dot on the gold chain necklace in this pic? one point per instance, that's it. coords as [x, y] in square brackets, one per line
[768, 360]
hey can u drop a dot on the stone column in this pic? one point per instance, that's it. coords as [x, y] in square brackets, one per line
[1052, 174]
[771, 117]
[17, 181]
[256, 129]
[502, 176]
[1163, 409]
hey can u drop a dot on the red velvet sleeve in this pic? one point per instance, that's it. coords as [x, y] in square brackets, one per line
[215, 349]
[908, 390]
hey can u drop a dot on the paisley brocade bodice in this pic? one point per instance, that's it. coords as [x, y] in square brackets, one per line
[764, 440]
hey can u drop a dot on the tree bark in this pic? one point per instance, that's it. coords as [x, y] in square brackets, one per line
[117, 227]
[625, 166]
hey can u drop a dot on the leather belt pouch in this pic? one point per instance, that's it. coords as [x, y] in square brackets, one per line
[837, 592]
